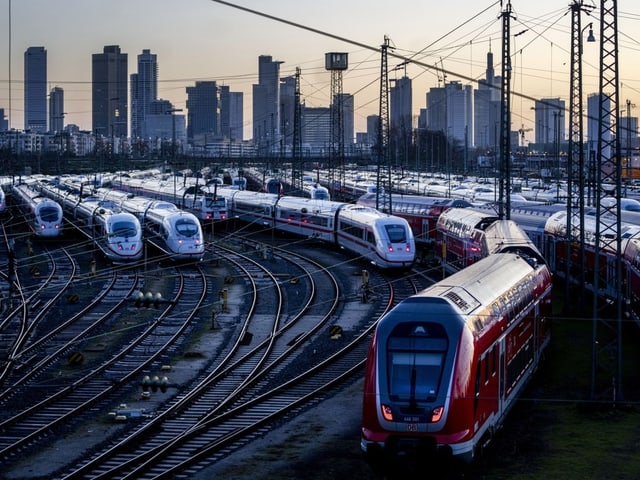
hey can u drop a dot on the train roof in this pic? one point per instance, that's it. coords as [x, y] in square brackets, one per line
[479, 285]
[466, 219]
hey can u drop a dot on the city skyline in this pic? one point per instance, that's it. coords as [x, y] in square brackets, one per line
[205, 40]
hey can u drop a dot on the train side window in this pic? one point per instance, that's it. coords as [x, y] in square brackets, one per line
[494, 360]
[486, 369]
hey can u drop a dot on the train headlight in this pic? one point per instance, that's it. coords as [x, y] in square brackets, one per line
[119, 246]
[387, 413]
[436, 414]
[407, 248]
[390, 247]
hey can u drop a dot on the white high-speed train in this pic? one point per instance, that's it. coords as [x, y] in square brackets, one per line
[116, 233]
[192, 195]
[383, 240]
[175, 232]
[43, 215]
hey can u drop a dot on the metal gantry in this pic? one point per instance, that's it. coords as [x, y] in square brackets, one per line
[575, 161]
[606, 377]
[296, 164]
[504, 188]
[383, 128]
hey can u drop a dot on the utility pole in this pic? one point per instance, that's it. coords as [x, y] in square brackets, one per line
[575, 160]
[297, 164]
[606, 371]
[383, 126]
[504, 190]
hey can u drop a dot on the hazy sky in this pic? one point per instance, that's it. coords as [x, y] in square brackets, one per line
[206, 40]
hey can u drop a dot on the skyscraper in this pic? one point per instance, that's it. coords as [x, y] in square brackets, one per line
[144, 90]
[550, 121]
[35, 89]
[486, 109]
[202, 110]
[109, 92]
[56, 110]
[266, 104]
[231, 118]
[400, 105]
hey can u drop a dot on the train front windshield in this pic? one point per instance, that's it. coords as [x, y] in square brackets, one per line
[396, 233]
[186, 228]
[124, 229]
[416, 354]
[50, 214]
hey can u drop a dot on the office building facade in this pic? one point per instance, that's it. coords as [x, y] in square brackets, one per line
[109, 92]
[202, 110]
[266, 105]
[56, 110]
[35, 89]
[144, 91]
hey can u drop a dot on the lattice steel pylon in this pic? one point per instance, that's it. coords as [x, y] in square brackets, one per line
[336, 63]
[296, 152]
[606, 376]
[383, 130]
[504, 187]
[575, 161]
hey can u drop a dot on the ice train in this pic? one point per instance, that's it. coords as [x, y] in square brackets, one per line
[116, 233]
[383, 240]
[177, 233]
[43, 215]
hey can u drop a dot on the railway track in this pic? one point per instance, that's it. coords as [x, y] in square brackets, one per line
[121, 368]
[280, 361]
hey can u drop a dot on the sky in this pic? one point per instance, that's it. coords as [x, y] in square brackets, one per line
[198, 40]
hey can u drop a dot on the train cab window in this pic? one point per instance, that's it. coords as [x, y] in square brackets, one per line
[396, 233]
[416, 354]
[49, 214]
[186, 228]
[124, 229]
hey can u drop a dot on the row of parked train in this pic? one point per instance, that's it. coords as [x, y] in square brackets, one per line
[172, 215]
[114, 222]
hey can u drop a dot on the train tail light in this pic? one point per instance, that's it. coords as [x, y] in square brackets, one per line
[387, 412]
[436, 414]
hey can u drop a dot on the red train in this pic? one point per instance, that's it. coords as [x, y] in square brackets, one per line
[465, 235]
[446, 365]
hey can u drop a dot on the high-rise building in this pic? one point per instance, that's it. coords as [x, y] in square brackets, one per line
[449, 110]
[593, 124]
[347, 120]
[550, 121]
[35, 89]
[144, 90]
[266, 104]
[56, 110]
[231, 114]
[287, 108]
[202, 110]
[400, 106]
[459, 112]
[109, 92]
[436, 109]
[486, 109]
[316, 128]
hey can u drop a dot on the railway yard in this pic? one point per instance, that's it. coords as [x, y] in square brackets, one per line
[248, 365]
